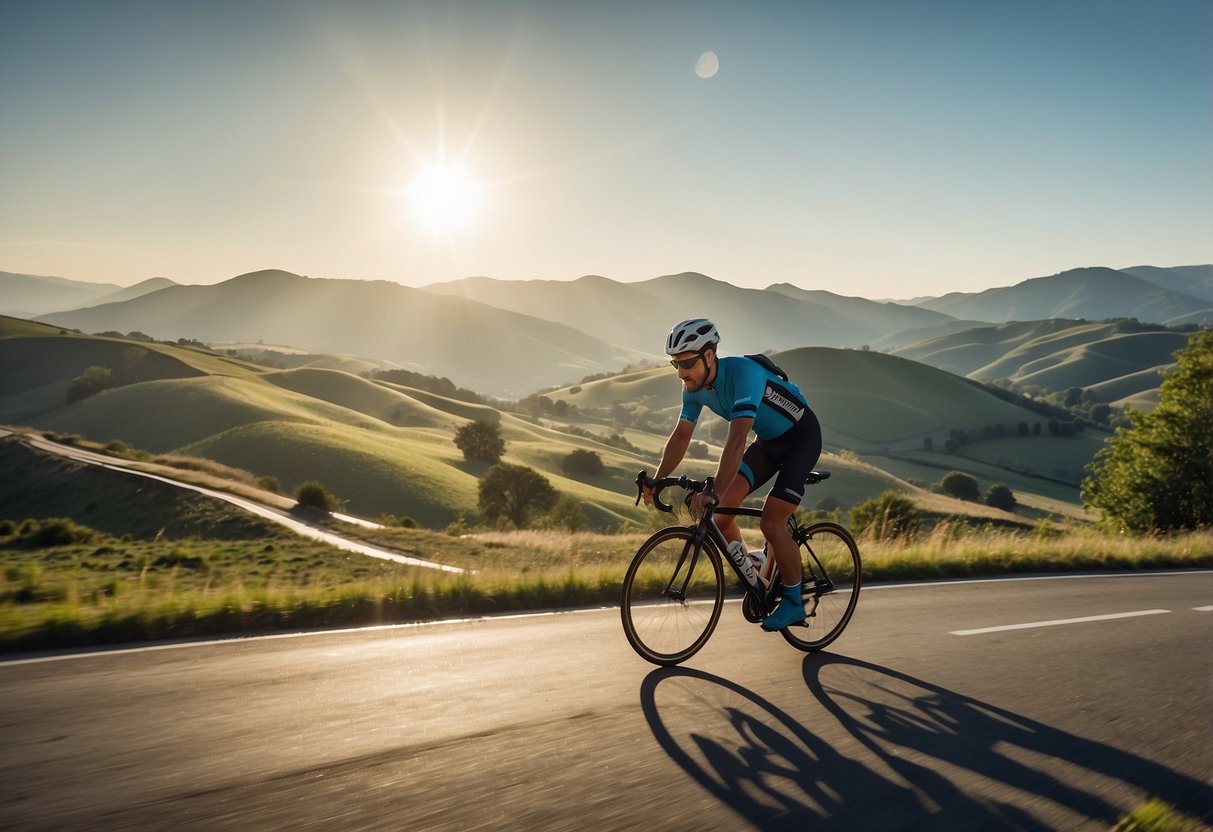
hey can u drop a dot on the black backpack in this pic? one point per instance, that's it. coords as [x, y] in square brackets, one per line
[769, 365]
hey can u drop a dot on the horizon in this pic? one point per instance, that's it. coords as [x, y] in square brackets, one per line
[872, 150]
[908, 300]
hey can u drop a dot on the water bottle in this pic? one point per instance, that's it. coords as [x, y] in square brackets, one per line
[758, 558]
[741, 557]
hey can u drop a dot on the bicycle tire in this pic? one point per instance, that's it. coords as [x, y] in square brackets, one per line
[662, 627]
[829, 613]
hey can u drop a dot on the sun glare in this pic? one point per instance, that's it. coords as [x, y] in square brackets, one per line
[444, 199]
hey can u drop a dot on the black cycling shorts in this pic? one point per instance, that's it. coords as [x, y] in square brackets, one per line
[792, 455]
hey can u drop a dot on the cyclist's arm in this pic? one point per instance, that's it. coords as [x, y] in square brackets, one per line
[675, 448]
[730, 457]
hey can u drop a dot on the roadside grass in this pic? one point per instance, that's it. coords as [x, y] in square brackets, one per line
[107, 590]
[1157, 816]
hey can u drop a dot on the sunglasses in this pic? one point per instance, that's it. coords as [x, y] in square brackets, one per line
[686, 363]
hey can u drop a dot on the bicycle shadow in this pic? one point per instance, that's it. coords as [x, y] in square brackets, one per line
[919, 729]
[926, 756]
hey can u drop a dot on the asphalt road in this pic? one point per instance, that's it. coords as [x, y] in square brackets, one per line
[551, 722]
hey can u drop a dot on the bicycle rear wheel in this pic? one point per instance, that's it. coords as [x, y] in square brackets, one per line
[832, 575]
[672, 596]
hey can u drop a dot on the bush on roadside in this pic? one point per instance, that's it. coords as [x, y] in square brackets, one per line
[890, 516]
[312, 494]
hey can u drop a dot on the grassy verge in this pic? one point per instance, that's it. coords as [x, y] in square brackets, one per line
[97, 590]
[1157, 816]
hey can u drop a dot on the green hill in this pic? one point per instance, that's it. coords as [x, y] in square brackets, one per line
[383, 447]
[388, 448]
[1116, 359]
[885, 408]
[41, 486]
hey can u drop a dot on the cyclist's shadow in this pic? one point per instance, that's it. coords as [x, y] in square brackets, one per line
[909, 750]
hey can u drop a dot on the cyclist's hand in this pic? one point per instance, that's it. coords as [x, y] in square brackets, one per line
[646, 493]
[701, 501]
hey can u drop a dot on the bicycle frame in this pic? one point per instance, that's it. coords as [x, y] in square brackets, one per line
[660, 618]
[817, 581]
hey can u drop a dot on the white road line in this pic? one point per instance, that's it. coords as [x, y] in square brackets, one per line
[1032, 624]
[1203, 609]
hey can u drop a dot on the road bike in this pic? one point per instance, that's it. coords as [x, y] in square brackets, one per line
[673, 591]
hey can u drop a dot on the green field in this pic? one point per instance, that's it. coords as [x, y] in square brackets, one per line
[388, 449]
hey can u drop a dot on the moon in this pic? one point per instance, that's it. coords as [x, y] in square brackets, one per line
[707, 65]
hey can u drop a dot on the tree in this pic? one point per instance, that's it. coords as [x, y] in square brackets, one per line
[567, 514]
[480, 440]
[515, 493]
[582, 461]
[1157, 474]
[889, 516]
[960, 485]
[1000, 496]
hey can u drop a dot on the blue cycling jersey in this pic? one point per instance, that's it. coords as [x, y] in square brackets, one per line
[744, 388]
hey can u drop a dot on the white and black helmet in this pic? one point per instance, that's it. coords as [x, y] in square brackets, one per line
[691, 336]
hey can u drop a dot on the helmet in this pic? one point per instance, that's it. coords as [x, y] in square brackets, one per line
[691, 335]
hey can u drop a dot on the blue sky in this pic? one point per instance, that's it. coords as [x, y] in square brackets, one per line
[881, 149]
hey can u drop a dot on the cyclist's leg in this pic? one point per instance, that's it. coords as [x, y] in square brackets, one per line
[799, 451]
[740, 488]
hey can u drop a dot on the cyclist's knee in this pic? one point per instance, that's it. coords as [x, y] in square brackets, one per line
[774, 520]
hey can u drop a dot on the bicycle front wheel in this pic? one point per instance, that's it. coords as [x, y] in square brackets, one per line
[831, 578]
[672, 596]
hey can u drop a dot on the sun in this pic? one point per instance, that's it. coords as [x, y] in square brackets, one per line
[444, 199]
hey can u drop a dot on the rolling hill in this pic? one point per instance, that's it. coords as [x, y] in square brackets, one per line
[387, 448]
[1119, 360]
[495, 351]
[885, 408]
[1091, 294]
[384, 447]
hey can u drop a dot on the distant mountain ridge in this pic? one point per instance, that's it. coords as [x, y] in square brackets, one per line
[1090, 293]
[29, 295]
[750, 320]
[494, 350]
[510, 338]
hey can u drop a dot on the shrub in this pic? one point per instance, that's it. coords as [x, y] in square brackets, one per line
[311, 494]
[1000, 496]
[960, 485]
[891, 515]
[480, 440]
[53, 531]
[269, 484]
[582, 461]
[92, 381]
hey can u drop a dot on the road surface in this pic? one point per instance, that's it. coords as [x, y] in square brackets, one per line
[920, 717]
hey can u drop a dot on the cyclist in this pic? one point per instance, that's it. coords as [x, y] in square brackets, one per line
[752, 394]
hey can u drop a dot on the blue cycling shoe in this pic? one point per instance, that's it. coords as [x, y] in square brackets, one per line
[790, 611]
